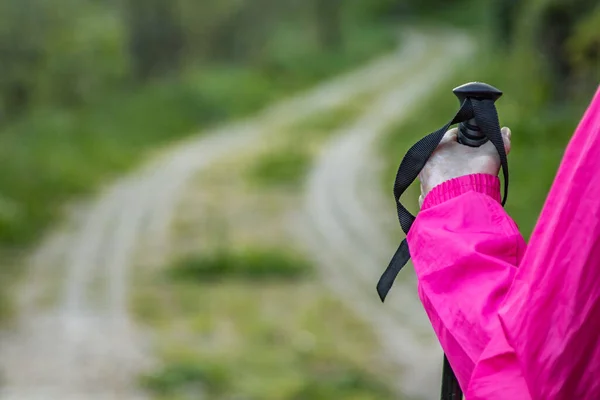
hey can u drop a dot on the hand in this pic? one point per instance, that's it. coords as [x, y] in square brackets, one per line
[452, 160]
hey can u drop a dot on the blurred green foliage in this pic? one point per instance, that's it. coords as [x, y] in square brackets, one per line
[286, 164]
[257, 340]
[187, 380]
[89, 87]
[281, 168]
[327, 380]
[323, 379]
[326, 123]
[248, 264]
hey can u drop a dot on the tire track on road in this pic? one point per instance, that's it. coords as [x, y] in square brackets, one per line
[87, 346]
[340, 227]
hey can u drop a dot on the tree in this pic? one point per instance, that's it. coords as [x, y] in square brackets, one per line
[156, 37]
[504, 14]
[558, 22]
[329, 23]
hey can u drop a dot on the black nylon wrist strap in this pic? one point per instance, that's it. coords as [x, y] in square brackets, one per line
[486, 117]
[415, 159]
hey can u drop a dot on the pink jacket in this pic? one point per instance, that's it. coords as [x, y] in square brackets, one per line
[517, 322]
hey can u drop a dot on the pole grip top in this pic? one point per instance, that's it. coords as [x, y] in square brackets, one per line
[478, 90]
[469, 133]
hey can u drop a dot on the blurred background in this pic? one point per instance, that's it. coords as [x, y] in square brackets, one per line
[169, 226]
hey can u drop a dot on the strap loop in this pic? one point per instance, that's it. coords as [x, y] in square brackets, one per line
[486, 116]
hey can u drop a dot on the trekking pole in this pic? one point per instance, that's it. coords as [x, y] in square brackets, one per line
[450, 388]
[469, 134]
[477, 121]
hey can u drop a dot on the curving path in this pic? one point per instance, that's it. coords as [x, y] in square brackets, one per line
[84, 344]
[340, 225]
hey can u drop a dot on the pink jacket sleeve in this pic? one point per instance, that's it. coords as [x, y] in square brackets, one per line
[465, 250]
[517, 323]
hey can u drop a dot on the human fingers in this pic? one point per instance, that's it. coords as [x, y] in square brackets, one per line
[506, 135]
[450, 136]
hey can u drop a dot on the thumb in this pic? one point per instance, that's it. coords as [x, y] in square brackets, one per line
[506, 134]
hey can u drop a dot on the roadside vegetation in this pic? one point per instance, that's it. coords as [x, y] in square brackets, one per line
[240, 312]
[286, 159]
[89, 89]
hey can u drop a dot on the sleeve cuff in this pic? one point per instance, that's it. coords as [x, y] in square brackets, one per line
[481, 183]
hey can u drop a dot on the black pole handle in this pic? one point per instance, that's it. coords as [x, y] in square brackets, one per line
[469, 133]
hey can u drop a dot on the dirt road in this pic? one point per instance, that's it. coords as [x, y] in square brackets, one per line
[81, 343]
[340, 225]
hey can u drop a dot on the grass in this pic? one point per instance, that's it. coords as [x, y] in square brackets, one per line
[260, 341]
[252, 322]
[253, 264]
[50, 157]
[281, 167]
[185, 378]
[240, 314]
[324, 124]
[285, 163]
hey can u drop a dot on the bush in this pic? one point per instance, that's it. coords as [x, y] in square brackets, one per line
[246, 264]
[318, 378]
[187, 378]
[341, 382]
[53, 153]
[281, 168]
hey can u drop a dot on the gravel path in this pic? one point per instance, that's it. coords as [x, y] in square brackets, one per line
[340, 222]
[85, 345]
